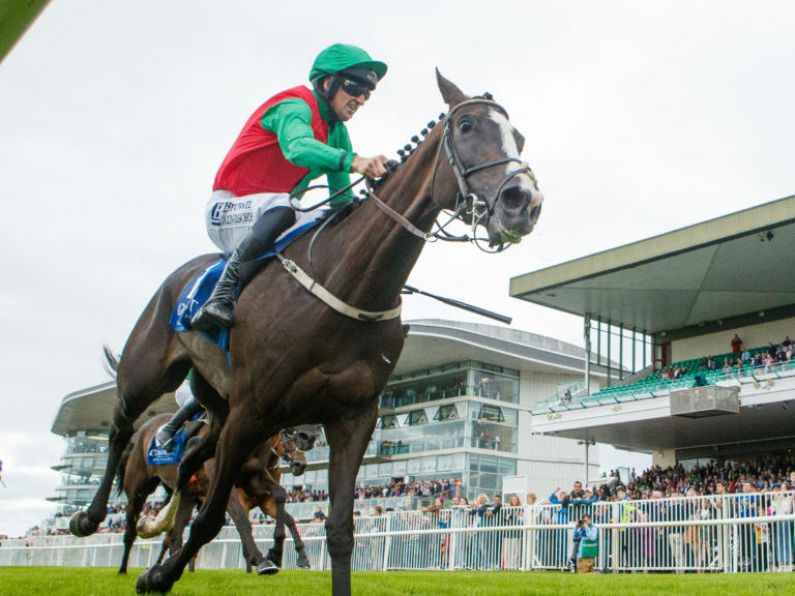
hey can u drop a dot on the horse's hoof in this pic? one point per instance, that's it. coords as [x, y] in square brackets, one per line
[303, 563]
[152, 580]
[267, 567]
[81, 525]
[275, 557]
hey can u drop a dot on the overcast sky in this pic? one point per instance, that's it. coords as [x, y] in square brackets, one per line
[640, 117]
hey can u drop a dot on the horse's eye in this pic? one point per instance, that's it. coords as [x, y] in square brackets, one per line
[465, 126]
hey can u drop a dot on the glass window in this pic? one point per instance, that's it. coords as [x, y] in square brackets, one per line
[444, 463]
[385, 469]
[496, 382]
[428, 464]
[491, 413]
[416, 417]
[488, 464]
[388, 421]
[447, 412]
[415, 466]
[399, 467]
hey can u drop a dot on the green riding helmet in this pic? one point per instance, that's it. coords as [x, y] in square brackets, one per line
[342, 57]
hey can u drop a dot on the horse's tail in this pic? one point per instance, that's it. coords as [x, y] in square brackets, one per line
[111, 362]
[125, 456]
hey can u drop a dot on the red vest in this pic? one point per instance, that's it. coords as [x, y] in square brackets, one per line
[255, 163]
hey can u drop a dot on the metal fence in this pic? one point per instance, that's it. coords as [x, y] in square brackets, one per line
[729, 534]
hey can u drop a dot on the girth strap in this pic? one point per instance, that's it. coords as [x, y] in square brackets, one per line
[331, 300]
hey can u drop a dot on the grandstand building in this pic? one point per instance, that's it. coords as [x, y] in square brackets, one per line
[686, 294]
[457, 407]
[83, 419]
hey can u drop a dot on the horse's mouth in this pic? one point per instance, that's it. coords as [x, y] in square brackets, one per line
[512, 233]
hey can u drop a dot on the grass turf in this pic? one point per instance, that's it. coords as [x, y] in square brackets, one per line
[52, 581]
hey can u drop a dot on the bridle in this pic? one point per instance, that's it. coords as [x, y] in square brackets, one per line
[467, 202]
[287, 444]
[462, 172]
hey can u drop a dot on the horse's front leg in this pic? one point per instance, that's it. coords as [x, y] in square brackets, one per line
[347, 439]
[239, 515]
[279, 496]
[238, 438]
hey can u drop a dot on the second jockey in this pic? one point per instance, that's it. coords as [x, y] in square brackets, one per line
[294, 137]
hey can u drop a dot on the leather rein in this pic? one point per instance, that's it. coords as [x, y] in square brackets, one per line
[467, 203]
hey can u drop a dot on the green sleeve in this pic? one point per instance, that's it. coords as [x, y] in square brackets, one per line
[338, 137]
[291, 121]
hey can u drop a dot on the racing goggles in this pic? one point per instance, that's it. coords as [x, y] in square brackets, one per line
[355, 88]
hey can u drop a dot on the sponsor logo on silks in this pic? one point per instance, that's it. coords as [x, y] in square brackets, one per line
[188, 305]
[230, 212]
[215, 214]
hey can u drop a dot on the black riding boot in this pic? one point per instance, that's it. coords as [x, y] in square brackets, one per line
[219, 310]
[166, 433]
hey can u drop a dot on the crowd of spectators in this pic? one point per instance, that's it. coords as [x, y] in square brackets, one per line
[743, 357]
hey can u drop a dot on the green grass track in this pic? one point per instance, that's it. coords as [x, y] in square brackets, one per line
[53, 581]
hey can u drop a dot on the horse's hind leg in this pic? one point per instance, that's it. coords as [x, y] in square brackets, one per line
[135, 503]
[153, 363]
[303, 560]
[173, 541]
[240, 435]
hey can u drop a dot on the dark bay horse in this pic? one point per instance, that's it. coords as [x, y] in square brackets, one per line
[295, 360]
[138, 480]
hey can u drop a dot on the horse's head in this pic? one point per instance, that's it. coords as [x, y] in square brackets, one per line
[483, 148]
[304, 435]
[289, 450]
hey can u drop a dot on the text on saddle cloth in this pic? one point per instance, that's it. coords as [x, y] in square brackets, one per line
[157, 455]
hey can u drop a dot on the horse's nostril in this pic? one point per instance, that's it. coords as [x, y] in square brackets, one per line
[515, 197]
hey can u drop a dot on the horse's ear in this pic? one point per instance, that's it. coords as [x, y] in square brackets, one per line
[451, 94]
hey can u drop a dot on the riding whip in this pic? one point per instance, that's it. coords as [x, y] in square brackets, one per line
[458, 304]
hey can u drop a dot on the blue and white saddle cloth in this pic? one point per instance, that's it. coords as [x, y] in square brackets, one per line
[159, 456]
[196, 293]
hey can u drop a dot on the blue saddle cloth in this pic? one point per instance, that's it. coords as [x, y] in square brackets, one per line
[159, 456]
[196, 293]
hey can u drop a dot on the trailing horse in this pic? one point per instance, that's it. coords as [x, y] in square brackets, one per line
[294, 359]
[138, 480]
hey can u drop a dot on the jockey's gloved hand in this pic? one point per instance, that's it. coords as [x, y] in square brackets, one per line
[372, 167]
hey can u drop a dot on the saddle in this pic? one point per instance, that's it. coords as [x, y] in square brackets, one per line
[198, 290]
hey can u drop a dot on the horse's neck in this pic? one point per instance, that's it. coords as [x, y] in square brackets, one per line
[374, 253]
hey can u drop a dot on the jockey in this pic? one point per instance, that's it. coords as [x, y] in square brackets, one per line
[294, 137]
[188, 408]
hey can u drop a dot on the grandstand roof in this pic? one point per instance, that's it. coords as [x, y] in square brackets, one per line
[432, 342]
[91, 409]
[648, 425]
[732, 265]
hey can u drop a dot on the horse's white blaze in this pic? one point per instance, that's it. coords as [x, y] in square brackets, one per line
[509, 147]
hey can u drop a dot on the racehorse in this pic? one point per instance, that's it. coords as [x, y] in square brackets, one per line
[138, 480]
[294, 359]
